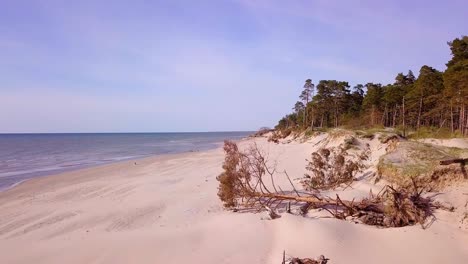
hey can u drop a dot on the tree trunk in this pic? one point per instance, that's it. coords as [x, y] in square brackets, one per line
[384, 116]
[451, 114]
[403, 115]
[465, 123]
[336, 118]
[419, 113]
[305, 112]
[313, 118]
[460, 119]
[372, 115]
[451, 161]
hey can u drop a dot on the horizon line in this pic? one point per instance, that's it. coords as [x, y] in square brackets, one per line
[153, 132]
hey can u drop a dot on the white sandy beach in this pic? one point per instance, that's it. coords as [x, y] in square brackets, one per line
[165, 209]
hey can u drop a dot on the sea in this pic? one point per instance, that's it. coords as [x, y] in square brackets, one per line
[26, 156]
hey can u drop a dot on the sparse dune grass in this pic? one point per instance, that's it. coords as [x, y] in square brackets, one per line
[415, 160]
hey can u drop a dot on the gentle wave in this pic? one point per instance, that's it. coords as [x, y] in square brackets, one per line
[25, 156]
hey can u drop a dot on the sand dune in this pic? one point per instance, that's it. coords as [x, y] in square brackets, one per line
[165, 210]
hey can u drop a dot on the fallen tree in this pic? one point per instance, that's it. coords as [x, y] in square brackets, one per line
[451, 161]
[248, 182]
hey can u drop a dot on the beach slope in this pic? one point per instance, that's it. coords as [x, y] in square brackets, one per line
[165, 209]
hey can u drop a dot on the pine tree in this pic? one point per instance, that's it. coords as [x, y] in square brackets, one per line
[305, 96]
[424, 96]
[430, 100]
[456, 83]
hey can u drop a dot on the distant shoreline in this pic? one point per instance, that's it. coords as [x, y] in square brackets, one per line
[116, 133]
[84, 167]
[64, 171]
[63, 174]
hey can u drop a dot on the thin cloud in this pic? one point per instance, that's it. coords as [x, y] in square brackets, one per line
[205, 65]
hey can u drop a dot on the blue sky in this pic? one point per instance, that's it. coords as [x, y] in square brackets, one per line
[136, 66]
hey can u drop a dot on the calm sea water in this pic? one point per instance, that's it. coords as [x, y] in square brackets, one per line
[24, 156]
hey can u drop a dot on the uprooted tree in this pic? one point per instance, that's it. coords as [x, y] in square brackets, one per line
[248, 182]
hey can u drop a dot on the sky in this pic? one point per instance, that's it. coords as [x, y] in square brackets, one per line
[173, 66]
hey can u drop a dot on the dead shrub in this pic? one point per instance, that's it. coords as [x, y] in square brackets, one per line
[262, 131]
[228, 189]
[275, 137]
[282, 134]
[384, 138]
[330, 168]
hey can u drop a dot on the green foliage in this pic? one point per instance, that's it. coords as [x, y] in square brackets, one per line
[423, 100]
[323, 129]
[356, 99]
[459, 48]
[332, 99]
[372, 102]
[456, 81]
[432, 132]
[310, 132]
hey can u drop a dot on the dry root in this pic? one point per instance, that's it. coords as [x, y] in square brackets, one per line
[391, 208]
[320, 260]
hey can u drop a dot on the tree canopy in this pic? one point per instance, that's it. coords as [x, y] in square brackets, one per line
[434, 99]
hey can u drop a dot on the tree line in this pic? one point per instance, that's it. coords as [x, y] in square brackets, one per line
[434, 99]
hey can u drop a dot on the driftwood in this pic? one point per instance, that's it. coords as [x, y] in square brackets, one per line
[243, 185]
[320, 260]
[272, 213]
[451, 161]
